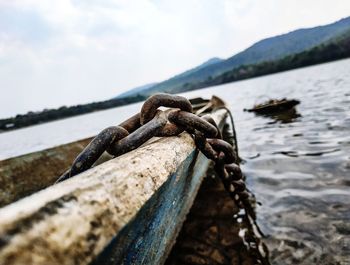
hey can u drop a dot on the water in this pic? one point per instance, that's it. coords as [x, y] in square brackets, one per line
[297, 166]
[43, 136]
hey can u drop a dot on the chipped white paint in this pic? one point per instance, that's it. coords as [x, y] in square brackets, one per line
[71, 222]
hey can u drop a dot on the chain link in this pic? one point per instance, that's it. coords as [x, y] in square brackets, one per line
[150, 122]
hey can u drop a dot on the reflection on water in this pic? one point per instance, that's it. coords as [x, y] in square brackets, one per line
[287, 116]
[297, 165]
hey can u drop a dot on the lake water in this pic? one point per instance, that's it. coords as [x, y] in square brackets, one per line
[297, 166]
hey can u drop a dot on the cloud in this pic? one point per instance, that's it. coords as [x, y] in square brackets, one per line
[55, 53]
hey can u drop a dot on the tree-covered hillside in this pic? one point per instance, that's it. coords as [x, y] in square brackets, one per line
[265, 50]
[338, 48]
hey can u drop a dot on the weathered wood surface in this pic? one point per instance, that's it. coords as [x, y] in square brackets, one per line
[73, 221]
[149, 237]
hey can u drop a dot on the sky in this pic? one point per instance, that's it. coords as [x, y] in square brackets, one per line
[66, 52]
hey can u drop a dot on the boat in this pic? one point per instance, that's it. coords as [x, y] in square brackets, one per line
[29, 173]
[274, 106]
[124, 210]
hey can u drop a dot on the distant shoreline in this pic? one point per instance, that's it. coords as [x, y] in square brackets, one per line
[48, 115]
[317, 55]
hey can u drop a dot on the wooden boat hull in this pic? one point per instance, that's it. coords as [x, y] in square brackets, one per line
[150, 236]
[125, 210]
[24, 175]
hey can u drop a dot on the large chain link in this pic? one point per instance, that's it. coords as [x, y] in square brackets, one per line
[150, 122]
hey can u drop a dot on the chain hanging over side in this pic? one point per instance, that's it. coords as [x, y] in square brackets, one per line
[150, 122]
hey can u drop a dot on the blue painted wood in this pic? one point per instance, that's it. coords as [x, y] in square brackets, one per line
[148, 238]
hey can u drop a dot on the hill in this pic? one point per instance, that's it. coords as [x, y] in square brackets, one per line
[281, 53]
[136, 90]
[142, 90]
[269, 49]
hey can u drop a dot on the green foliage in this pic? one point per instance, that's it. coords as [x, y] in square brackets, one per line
[330, 51]
[32, 118]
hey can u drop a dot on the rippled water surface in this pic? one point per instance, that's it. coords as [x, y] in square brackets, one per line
[297, 165]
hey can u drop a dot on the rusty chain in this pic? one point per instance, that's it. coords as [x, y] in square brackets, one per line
[151, 121]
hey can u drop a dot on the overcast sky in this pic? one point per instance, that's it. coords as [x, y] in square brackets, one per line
[65, 52]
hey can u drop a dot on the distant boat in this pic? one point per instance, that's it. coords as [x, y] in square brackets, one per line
[274, 106]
